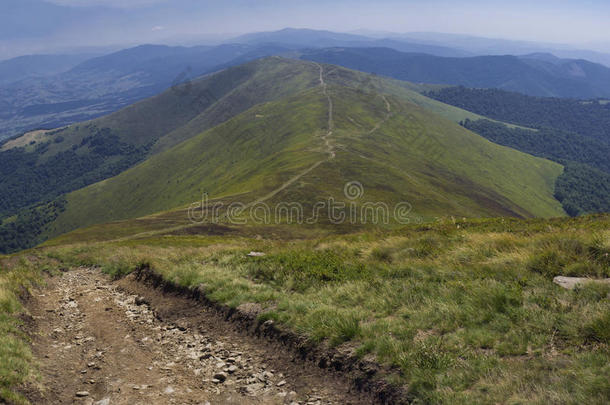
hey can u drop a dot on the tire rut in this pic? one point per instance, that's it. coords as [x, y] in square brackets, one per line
[103, 342]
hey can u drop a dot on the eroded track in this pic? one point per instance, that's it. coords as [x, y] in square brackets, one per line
[104, 342]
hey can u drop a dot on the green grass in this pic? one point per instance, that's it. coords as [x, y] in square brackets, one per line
[206, 102]
[17, 275]
[406, 91]
[464, 310]
[450, 170]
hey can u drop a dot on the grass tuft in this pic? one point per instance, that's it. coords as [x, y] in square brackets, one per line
[16, 362]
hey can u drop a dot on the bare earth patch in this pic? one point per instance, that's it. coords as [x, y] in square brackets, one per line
[24, 140]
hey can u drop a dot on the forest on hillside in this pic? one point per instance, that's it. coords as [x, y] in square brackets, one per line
[589, 118]
[584, 186]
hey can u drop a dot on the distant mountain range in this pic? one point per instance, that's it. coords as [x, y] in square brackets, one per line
[536, 74]
[36, 66]
[53, 91]
[438, 44]
[305, 38]
[495, 46]
[105, 84]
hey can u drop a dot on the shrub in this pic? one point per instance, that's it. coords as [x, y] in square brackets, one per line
[592, 292]
[302, 269]
[598, 330]
[382, 254]
[547, 263]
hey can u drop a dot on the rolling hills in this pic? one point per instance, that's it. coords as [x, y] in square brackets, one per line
[105, 84]
[263, 131]
[32, 66]
[101, 85]
[290, 150]
[44, 166]
[437, 305]
[51, 163]
[218, 225]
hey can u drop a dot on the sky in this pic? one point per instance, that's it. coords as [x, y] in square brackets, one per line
[35, 26]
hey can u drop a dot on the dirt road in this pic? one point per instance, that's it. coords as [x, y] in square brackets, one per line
[104, 342]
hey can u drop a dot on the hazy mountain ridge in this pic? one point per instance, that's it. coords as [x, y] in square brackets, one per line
[32, 66]
[105, 84]
[307, 38]
[528, 75]
[108, 83]
[496, 46]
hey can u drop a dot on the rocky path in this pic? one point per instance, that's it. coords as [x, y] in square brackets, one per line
[331, 124]
[104, 342]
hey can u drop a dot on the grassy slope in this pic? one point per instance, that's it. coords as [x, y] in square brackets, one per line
[437, 166]
[267, 142]
[17, 275]
[84, 153]
[465, 310]
[187, 109]
[209, 100]
[404, 90]
[415, 156]
[270, 79]
[70, 158]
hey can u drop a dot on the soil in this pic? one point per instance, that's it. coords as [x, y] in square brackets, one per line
[99, 341]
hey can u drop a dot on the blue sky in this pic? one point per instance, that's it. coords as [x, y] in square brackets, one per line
[549, 20]
[31, 23]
